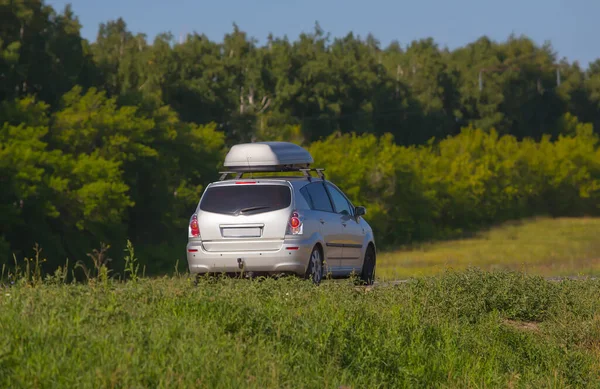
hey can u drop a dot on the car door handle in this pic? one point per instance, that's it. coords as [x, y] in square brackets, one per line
[322, 221]
[344, 224]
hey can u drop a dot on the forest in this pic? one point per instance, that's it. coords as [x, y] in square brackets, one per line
[114, 140]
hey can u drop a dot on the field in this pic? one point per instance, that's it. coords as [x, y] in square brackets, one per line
[547, 247]
[467, 329]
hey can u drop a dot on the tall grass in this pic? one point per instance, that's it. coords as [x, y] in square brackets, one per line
[470, 328]
[464, 329]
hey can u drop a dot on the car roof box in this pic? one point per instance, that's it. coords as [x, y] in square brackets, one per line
[267, 157]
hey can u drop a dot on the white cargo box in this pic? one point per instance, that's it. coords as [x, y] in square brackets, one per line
[267, 157]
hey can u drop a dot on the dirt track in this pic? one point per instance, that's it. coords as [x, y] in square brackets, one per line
[553, 279]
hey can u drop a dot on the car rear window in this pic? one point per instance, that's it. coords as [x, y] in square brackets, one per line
[246, 199]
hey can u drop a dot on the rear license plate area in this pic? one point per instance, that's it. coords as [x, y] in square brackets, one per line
[241, 232]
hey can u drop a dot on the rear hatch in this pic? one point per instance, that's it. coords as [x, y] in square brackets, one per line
[244, 215]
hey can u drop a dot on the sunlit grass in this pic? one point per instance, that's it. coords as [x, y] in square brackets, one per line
[457, 330]
[547, 247]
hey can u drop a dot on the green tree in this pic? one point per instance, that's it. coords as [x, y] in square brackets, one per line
[41, 51]
[59, 199]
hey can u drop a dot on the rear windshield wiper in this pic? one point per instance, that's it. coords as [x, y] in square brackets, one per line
[253, 208]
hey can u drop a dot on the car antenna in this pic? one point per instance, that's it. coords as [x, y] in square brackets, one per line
[248, 161]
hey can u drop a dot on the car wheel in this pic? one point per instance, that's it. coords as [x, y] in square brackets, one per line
[367, 274]
[314, 271]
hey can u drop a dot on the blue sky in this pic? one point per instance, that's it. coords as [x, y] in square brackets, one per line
[572, 26]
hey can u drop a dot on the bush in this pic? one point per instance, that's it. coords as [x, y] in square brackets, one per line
[464, 182]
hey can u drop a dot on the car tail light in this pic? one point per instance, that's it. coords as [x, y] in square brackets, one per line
[295, 224]
[194, 229]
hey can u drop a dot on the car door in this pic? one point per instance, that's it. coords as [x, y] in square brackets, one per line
[352, 231]
[329, 221]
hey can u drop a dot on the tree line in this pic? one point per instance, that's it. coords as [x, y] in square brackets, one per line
[114, 139]
[466, 182]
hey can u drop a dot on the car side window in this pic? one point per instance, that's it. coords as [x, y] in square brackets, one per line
[316, 196]
[339, 201]
[306, 195]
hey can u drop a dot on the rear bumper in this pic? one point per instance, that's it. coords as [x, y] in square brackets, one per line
[283, 260]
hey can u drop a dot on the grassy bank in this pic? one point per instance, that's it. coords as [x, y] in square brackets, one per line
[467, 329]
[547, 247]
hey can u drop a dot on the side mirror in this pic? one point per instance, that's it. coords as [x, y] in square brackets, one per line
[360, 211]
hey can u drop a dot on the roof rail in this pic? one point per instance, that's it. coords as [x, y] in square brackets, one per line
[305, 172]
[225, 174]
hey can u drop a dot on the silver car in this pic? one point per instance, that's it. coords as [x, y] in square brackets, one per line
[302, 225]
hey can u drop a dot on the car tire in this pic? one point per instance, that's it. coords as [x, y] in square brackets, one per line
[367, 275]
[314, 271]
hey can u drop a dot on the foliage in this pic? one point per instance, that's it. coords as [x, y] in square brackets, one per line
[463, 182]
[84, 173]
[378, 174]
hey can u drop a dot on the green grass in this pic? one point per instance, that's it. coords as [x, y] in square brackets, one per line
[548, 247]
[470, 328]
[456, 330]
